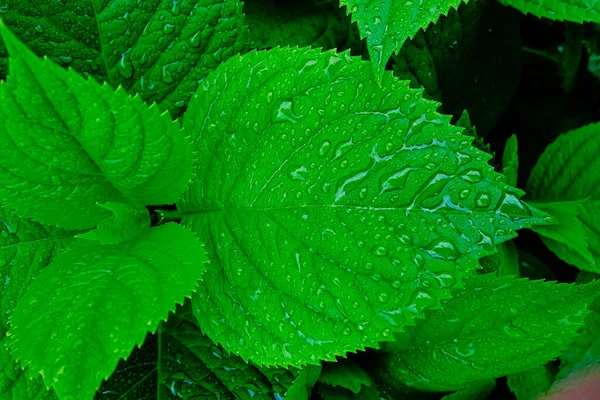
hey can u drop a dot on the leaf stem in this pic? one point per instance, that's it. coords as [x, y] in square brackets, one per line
[165, 216]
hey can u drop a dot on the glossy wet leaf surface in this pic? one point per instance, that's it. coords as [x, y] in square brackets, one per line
[494, 327]
[335, 211]
[157, 48]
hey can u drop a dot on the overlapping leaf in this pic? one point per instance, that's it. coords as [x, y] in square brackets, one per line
[559, 10]
[68, 143]
[567, 177]
[180, 362]
[130, 287]
[335, 210]
[157, 48]
[387, 24]
[495, 327]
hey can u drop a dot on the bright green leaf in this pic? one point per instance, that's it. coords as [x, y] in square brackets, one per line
[567, 173]
[315, 23]
[25, 248]
[180, 362]
[68, 143]
[160, 49]
[126, 223]
[475, 391]
[346, 374]
[335, 210]
[130, 286]
[570, 239]
[387, 24]
[461, 61]
[494, 327]
[531, 384]
[559, 10]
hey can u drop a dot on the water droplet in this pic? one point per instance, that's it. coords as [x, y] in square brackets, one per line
[4, 9]
[284, 112]
[195, 40]
[298, 173]
[383, 297]
[65, 59]
[168, 28]
[380, 251]
[166, 76]
[39, 29]
[464, 194]
[324, 149]
[443, 250]
[124, 66]
[482, 200]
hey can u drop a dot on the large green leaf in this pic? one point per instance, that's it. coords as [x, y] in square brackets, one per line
[335, 211]
[567, 174]
[316, 23]
[130, 287]
[25, 248]
[457, 61]
[180, 362]
[157, 48]
[559, 10]
[494, 327]
[68, 143]
[387, 24]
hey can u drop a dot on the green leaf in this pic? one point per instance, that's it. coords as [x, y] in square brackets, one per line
[130, 286]
[508, 259]
[558, 10]
[387, 24]
[126, 223]
[571, 51]
[315, 23]
[335, 211]
[69, 143]
[461, 61]
[494, 327]
[476, 391]
[180, 362]
[531, 384]
[156, 48]
[570, 239]
[583, 354]
[26, 247]
[510, 160]
[346, 374]
[568, 174]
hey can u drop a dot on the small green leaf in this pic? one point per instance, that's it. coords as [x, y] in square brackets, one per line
[509, 259]
[387, 24]
[346, 374]
[494, 327]
[335, 210]
[567, 174]
[475, 391]
[510, 160]
[156, 48]
[26, 247]
[531, 384]
[570, 238]
[69, 142]
[130, 286]
[315, 23]
[126, 223]
[578, 11]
